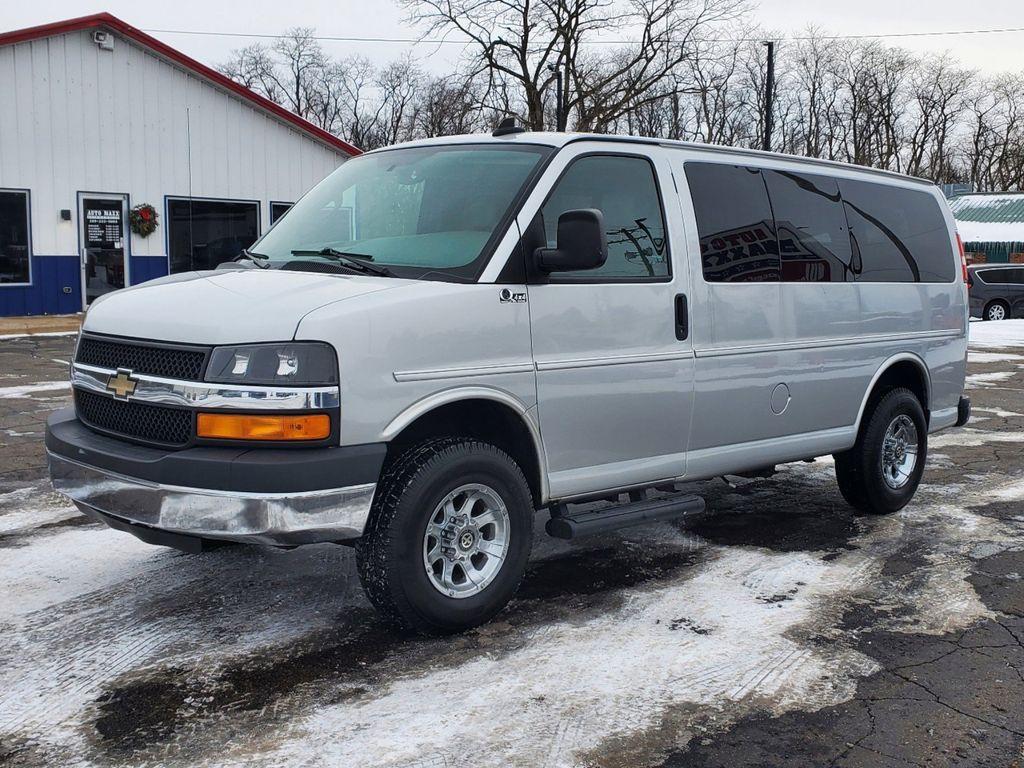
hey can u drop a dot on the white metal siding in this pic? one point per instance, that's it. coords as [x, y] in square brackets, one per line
[76, 118]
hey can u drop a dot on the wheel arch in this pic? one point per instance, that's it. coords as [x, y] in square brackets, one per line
[482, 412]
[905, 369]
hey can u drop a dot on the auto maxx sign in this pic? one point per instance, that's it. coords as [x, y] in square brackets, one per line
[753, 253]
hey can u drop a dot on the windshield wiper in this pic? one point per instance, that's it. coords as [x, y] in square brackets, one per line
[357, 262]
[261, 260]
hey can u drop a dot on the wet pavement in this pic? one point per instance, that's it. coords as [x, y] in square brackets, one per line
[780, 630]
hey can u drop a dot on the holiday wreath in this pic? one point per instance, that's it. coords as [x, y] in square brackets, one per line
[143, 219]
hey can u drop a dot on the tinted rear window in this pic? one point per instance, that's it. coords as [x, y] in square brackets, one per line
[1001, 276]
[814, 243]
[899, 234]
[734, 223]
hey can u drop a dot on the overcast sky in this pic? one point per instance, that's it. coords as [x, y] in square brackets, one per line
[381, 18]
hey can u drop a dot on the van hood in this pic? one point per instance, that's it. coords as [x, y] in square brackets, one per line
[225, 306]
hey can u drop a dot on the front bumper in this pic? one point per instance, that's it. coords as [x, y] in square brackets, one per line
[278, 497]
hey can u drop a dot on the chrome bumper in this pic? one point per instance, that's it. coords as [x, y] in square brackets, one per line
[277, 519]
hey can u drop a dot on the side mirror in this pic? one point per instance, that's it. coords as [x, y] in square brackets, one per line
[581, 243]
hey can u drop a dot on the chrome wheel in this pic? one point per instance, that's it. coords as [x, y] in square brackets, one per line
[466, 540]
[997, 312]
[899, 451]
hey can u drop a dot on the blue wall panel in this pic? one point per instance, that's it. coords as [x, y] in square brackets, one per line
[145, 268]
[52, 274]
[46, 296]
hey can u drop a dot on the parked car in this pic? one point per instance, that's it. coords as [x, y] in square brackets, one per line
[517, 322]
[996, 291]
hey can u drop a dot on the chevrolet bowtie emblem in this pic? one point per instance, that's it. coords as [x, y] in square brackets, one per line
[121, 384]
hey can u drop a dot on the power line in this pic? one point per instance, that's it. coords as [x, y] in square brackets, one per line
[443, 41]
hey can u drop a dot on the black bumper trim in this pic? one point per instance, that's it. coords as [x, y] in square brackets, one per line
[247, 470]
[191, 544]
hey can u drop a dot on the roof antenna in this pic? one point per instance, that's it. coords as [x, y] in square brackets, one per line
[507, 126]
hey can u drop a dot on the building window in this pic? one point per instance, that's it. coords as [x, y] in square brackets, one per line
[15, 251]
[204, 233]
[277, 210]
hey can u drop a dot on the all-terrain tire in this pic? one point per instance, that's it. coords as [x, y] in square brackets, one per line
[390, 554]
[859, 471]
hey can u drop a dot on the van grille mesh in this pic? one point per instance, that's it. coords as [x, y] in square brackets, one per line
[151, 423]
[155, 360]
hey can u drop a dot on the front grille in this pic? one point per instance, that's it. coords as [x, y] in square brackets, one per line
[167, 361]
[151, 423]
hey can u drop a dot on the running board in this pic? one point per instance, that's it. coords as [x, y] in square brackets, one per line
[567, 525]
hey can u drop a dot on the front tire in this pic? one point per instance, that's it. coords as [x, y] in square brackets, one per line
[880, 474]
[449, 536]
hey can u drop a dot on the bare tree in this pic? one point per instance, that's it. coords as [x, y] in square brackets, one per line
[858, 101]
[517, 44]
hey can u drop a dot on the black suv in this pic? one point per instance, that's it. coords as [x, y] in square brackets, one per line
[996, 291]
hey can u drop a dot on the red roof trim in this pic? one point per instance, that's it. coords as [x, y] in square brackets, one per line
[112, 22]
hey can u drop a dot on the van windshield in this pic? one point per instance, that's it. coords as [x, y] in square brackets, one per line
[418, 212]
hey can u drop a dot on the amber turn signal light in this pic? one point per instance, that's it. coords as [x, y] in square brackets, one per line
[230, 426]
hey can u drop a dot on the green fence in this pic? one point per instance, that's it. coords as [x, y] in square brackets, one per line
[995, 253]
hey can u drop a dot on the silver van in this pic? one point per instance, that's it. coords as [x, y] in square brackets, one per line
[445, 336]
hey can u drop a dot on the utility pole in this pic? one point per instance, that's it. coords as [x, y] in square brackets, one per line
[558, 94]
[769, 88]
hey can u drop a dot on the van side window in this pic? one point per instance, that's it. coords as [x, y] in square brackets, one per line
[899, 235]
[814, 243]
[734, 223]
[625, 190]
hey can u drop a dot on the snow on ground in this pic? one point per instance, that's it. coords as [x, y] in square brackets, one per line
[990, 379]
[1002, 333]
[706, 631]
[33, 335]
[991, 357]
[30, 389]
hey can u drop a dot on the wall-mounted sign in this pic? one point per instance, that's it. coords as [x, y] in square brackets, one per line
[104, 224]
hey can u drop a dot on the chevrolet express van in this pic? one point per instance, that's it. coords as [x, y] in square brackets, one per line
[444, 336]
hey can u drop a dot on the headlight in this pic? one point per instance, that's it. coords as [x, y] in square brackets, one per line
[295, 364]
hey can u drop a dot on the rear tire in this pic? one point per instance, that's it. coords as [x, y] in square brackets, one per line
[996, 310]
[430, 575]
[880, 474]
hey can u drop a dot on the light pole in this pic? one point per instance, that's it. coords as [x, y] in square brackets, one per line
[769, 88]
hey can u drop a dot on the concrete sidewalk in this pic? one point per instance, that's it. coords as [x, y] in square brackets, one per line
[26, 326]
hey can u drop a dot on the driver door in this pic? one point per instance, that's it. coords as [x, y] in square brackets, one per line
[611, 349]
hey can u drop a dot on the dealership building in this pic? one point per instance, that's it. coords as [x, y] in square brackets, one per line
[104, 126]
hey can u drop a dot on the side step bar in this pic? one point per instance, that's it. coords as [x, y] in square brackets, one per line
[566, 525]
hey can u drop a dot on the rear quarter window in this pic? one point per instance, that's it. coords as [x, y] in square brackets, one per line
[1001, 276]
[899, 235]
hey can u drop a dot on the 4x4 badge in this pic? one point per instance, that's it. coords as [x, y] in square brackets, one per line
[512, 297]
[122, 384]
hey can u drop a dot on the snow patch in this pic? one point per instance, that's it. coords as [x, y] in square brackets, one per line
[30, 335]
[976, 380]
[1001, 333]
[27, 390]
[983, 358]
[972, 437]
[577, 684]
[999, 412]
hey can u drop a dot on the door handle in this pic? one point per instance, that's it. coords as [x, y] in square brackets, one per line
[682, 317]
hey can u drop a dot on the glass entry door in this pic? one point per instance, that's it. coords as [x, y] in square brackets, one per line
[104, 238]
